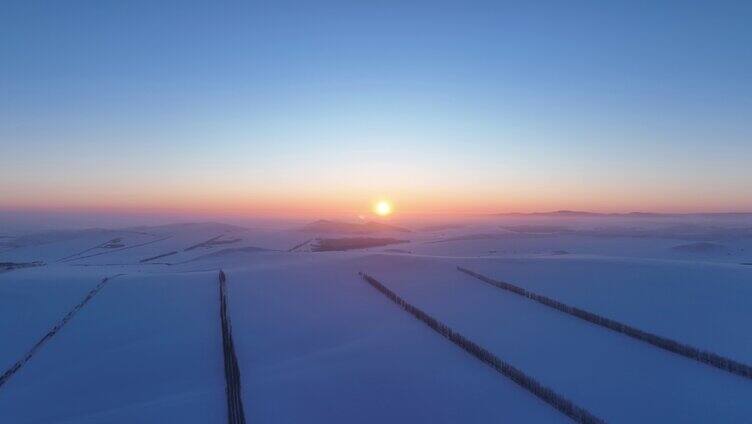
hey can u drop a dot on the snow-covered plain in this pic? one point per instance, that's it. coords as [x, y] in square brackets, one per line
[315, 344]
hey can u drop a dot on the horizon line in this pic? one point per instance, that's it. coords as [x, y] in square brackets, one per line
[322, 213]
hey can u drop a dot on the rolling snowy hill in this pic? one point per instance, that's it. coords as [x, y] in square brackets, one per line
[123, 326]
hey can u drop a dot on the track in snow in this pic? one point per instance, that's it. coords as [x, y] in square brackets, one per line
[34, 349]
[544, 393]
[710, 358]
[235, 413]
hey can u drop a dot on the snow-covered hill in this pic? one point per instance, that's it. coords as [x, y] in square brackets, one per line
[316, 344]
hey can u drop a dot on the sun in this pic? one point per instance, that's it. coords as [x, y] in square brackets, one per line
[382, 208]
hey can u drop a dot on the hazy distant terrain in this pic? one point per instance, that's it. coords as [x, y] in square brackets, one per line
[130, 329]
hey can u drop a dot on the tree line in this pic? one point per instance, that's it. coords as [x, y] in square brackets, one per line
[670, 345]
[549, 396]
[30, 353]
[235, 412]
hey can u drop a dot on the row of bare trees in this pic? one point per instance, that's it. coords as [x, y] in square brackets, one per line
[564, 405]
[670, 345]
[163, 255]
[18, 364]
[235, 412]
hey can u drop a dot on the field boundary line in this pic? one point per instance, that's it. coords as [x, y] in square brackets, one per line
[235, 411]
[54, 330]
[562, 404]
[685, 350]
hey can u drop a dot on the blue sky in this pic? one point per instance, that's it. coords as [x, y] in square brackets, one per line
[270, 106]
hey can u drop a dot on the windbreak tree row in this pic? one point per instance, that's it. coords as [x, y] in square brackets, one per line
[670, 345]
[235, 412]
[38, 345]
[549, 396]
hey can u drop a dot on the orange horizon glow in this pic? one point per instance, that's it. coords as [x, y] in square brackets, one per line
[318, 206]
[416, 193]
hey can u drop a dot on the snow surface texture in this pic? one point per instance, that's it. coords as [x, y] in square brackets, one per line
[315, 344]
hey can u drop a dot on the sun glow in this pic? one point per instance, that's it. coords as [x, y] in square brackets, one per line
[382, 208]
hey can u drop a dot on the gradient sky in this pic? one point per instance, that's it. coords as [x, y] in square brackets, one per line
[276, 107]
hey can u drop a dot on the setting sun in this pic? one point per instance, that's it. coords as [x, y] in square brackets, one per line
[383, 208]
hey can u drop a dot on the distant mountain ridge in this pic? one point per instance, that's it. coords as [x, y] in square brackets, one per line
[586, 214]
